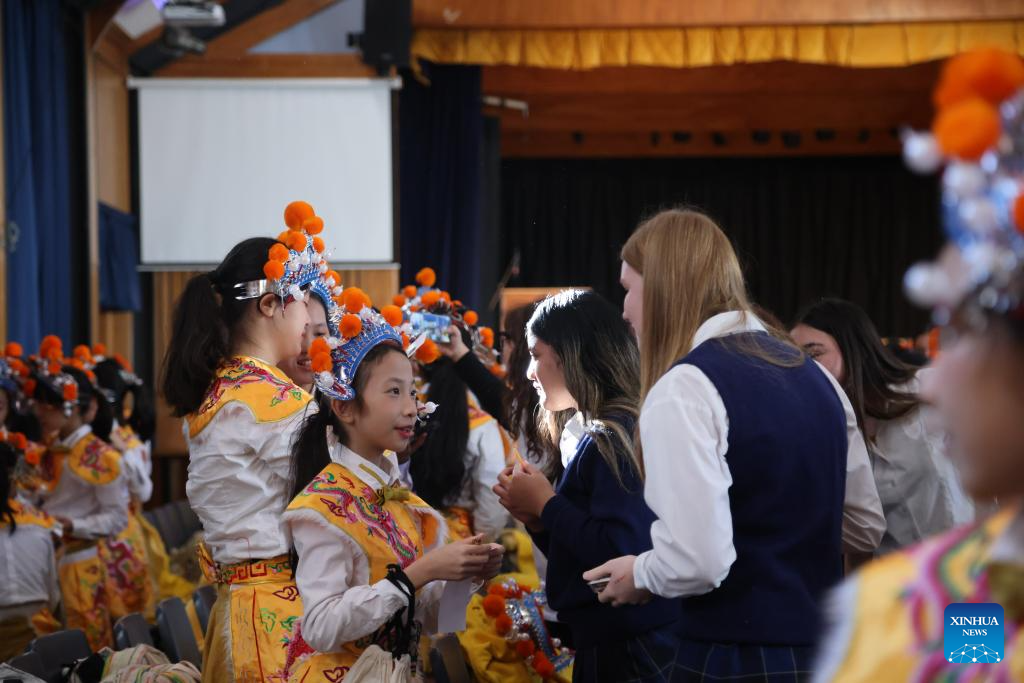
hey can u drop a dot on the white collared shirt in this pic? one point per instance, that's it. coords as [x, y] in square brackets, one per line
[28, 569]
[484, 461]
[333, 577]
[239, 482]
[684, 429]
[95, 510]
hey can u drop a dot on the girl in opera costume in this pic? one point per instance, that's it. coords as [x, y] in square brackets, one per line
[127, 565]
[889, 619]
[371, 557]
[27, 561]
[231, 328]
[84, 487]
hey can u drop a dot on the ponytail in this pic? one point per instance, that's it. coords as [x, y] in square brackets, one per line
[204, 318]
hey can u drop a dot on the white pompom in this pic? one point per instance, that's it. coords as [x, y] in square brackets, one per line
[429, 407]
[964, 180]
[304, 259]
[337, 291]
[333, 342]
[325, 378]
[924, 284]
[980, 215]
[921, 152]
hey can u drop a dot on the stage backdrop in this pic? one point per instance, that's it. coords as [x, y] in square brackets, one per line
[803, 227]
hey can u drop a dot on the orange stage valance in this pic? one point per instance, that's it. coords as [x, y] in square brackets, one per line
[875, 45]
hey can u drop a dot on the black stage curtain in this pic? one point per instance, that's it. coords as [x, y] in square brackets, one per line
[803, 227]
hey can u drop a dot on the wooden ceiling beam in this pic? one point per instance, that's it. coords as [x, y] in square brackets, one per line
[772, 77]
[239, 40]
[575, 14]
[566, 145]
[720, 112]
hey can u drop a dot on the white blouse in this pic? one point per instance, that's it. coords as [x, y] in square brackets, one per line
[485, 459]
[238, 482]
[28, 570]
[333, 577]
[692, 537]
[95, 510]
[919, 486]
[138, 468]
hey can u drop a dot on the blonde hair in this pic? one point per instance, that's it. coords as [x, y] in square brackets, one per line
[690, 273]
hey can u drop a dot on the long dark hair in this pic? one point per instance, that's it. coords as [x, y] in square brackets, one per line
[439, 466]
[872, 372]
[204, 318]
[8, 460]
[601, 364]
[521, 399]
[87, 392]
[143, 417]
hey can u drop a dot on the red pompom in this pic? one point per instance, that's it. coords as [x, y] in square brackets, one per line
[426, 277]
[428, 353]
[430, 299]
[322, 362]
[525, 648]
[274, 270]
[318, 346]
[542, 665]
[318, 245]
[967, 129]
[471, 318]
[1018, 212]
[14, 349]
[410, 292]
[30, 387]
[297, 212]
[398, 300]
[355, 299]
[503, 624]
[351, 325]
[99, 349]
[297, 241]
[494, 605]
[70, 392]
[313, 225]
[333, 274]
[278, 252]
[487, 337]
[393, 314]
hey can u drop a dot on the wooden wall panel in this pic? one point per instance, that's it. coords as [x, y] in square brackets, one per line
[574, 14]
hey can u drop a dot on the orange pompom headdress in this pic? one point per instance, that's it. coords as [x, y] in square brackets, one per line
[978, 134]
[517, 615]
[295, 261]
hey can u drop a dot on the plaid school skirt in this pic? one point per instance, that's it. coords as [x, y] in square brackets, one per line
[661, 657]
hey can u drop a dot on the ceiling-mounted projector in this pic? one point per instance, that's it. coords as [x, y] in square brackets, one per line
[192, 13]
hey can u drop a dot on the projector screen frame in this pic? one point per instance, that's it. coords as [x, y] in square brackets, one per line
[394, 83]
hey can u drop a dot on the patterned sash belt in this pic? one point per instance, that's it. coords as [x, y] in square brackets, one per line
[274, 569]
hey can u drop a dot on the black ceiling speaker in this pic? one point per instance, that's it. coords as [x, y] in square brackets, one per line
[387, 34]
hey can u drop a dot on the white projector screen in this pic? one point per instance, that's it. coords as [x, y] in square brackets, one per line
[220, 159]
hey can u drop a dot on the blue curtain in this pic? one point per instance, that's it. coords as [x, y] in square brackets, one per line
[37, 145]
[120, 289]
[440, 171]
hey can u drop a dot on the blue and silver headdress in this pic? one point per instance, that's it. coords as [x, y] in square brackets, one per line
[355, 328]
[978, 134]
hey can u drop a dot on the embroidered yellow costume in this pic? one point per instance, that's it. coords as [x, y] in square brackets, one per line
[252, 408]
[388, 525]
[891, 613]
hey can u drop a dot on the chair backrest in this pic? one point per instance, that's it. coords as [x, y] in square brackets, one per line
[58, 649]
[176, 636]
[203, 598]
[30, 663]
[132, 630]
[448, 661]
[175, 522]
